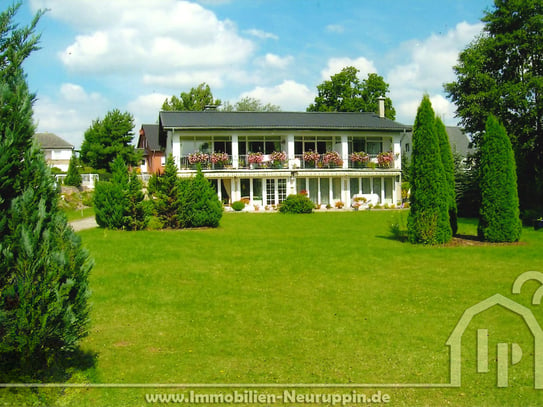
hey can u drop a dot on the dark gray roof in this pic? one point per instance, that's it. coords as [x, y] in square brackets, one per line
[50, 140]
[150, 131]
[278, 120]
[460, 142]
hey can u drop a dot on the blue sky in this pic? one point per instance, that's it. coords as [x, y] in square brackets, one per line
[98, 55]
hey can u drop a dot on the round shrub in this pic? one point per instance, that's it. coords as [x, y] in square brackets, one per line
[238, 206]
[297, 204]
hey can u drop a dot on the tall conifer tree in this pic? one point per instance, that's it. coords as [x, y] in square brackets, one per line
[428, 220]
[448, 168]
[43, 267]
[499, 214]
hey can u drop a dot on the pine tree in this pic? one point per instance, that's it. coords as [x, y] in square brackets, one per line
[199, 204]
[448, 167]
[110, 197]
[164, 193]
[499, 219]
[136, 216]
[73, 177]
[428, 220]
[43, 268]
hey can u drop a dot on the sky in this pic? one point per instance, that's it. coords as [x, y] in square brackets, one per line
[100, 55]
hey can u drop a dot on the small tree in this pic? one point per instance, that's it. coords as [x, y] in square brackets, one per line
[136, 213]
[73, 177]
[199, 205]
[448, 168]
[499, 216]
[110, 197]
[164, 192]
[428, 220]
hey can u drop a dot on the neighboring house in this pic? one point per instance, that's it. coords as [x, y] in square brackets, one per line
[153, 154]
[259, 156]
[57, 151]
[459, 140]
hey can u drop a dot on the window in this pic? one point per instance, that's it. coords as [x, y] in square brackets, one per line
[276, 191]
[407, 147]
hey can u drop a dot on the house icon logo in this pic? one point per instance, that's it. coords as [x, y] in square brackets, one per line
[506, 354]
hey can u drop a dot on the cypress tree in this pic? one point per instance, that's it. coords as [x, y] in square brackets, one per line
[136, 216]
[164, 193]
[43, 267]
[110, 197]
[448, 167]
[499, 219]
[73, 177]
[428, 220]
[199, 204]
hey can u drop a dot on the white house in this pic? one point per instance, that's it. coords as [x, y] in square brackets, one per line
[264, 156]
[57, 151]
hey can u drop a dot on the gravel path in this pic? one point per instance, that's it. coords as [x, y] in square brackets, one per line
[85, 223]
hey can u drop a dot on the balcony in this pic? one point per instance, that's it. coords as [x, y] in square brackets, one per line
[308, 160]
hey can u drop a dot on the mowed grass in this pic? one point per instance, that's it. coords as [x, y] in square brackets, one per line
[322, 298]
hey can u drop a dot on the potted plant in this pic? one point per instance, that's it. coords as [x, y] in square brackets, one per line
[358, 202]
[198, 158]
[385, 160]
[312, 157]
[359, 159]
[219, 159]
[278, 158]
[255, 159]
[332, 159]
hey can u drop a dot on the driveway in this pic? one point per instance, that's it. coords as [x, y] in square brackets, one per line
[85, 223]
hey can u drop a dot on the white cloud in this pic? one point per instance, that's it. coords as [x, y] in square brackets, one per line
[335, 65]
[159, 39]
[335, 28]
[261, 34]
[426, 65]
[274, 61]
[146, 107]
[289, 95]
[70, 112]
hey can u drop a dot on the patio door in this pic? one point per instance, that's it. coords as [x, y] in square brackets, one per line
[276, 190]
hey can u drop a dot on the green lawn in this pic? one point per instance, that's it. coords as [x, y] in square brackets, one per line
[322, 298]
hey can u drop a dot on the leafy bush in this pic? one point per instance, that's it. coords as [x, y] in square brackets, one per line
[297, 204]
[238, 206]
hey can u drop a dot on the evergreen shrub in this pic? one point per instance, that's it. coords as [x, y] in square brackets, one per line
[297, 204]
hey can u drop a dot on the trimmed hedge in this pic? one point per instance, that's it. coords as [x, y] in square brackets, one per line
[297, 204]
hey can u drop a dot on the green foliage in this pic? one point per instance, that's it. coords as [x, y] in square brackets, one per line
[448, 168]
[238, 206]
[199, 205]
[73, 177]
[500, 73]
[106, 139]
[297, 204]
[164, 192]
[344, 92]
[499, 219]
[248, 104]
[428, 220]
[43, 266]
[195, 100]
[118, 204]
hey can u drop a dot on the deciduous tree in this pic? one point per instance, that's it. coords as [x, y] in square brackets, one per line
[195, 100]
[500, 73]
[344, 92]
